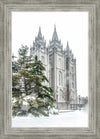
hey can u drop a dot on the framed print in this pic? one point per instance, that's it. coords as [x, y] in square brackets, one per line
[49, 69]
[63, 74]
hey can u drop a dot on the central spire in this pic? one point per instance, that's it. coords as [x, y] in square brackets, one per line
[67, 45]
[39, 33]
[55, 36]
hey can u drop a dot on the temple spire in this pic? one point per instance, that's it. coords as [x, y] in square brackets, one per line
[67, 44]
[67, 47]
[39, 33]
[55, 36]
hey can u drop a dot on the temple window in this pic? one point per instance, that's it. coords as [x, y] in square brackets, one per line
[59, 62]
[60, 78]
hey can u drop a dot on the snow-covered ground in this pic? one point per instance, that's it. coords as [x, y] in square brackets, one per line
[63, 119]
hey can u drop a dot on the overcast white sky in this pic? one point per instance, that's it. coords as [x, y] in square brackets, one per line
[70, 26]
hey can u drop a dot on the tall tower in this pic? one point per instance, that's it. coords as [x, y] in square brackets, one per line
[71, 78]
[39, 48]
[56, 67]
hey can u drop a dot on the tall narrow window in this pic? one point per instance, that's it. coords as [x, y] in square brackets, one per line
[60, 78]
[59, 62]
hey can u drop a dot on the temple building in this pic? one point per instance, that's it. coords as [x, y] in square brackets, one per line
[60, 67]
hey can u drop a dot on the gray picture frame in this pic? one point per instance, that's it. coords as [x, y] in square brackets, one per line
[93, 9]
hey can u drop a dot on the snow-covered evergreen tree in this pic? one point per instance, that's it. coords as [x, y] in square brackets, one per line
[28, 91]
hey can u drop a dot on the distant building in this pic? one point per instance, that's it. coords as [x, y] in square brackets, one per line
[60, 69]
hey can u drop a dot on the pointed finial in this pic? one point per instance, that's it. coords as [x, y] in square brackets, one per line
[54, 27]
[39, 29]
[67, 47]
[39, 33]
[55, 36]
[67, 44]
